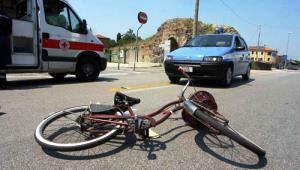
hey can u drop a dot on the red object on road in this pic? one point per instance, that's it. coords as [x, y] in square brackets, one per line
[142, 17]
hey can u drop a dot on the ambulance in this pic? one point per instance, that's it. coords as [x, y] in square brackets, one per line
[49, 36]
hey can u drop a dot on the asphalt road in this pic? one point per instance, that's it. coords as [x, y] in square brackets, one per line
[265, 109]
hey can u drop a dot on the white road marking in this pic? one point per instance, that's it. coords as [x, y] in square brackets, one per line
[28, 76]
[113, 74]
[36, 75]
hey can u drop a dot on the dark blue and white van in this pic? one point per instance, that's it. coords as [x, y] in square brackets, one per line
[220, 56]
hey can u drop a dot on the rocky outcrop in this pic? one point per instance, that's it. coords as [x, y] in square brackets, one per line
[176, 32]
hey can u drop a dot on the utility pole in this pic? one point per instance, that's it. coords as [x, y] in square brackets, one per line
[195, 27]
[287, 44]
[287, 48]
[259, 31]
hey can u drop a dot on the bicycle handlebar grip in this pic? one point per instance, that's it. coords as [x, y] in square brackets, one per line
[180, 69]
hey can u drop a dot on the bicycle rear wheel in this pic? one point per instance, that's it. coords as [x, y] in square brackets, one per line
[228, 131]
[64, 131]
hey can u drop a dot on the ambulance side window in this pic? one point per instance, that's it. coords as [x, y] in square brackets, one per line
[56, 14]
[75, 22]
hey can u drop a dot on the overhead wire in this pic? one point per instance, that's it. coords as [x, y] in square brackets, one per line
[273, 27]
[253, 36]
[236, 14]
[279, 27]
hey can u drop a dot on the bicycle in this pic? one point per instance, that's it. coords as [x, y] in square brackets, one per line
[94, 124]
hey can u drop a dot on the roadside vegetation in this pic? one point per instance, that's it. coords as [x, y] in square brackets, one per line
[125, 39]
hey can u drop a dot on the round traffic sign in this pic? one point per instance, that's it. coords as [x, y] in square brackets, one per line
[142, 17]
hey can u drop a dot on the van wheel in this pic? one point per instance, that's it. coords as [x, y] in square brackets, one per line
[58, 76]
[87, 70]
[227, 77]
[247, 75]
[174, 80]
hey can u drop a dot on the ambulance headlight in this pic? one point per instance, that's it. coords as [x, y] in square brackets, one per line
[213, 59]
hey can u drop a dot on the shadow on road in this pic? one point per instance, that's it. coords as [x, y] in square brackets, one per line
[1, 113]
[210, 83]
[120, 143]
[226, 150]
[153, 145]
[48, 82]
[221, 147]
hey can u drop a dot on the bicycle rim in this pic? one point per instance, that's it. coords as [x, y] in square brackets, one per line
[61, 131]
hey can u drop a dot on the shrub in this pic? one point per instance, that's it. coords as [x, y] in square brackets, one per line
[261, 66]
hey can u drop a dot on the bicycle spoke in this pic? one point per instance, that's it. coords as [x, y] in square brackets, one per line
[68, 137]
[83, 134]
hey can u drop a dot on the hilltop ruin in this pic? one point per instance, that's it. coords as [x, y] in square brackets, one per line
[170, 35]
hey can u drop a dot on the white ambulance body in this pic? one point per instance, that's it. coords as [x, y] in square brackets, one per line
[48, 36]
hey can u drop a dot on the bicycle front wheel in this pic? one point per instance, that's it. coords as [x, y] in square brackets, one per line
[64, 131]
[228, 131]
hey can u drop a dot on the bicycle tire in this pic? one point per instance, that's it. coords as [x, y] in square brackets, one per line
[47, 144]
[229, 132]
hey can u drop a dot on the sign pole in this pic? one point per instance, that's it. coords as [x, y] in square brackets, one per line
[136, 47]
[119, 56]
[142, 18]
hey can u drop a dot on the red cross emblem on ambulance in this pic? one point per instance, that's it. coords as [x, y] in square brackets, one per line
[64, 44]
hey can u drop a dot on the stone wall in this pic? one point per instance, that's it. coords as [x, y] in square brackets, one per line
[170, 35]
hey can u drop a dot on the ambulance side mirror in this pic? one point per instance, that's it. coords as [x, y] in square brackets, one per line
[84, 29]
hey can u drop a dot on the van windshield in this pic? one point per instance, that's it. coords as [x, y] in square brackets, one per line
[210, 41]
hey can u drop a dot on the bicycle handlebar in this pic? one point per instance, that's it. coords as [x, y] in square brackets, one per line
[181, 70]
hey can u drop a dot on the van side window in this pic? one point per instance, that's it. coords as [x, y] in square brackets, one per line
[75, 22]
[21, 9]
[56, 14]
[59, 14]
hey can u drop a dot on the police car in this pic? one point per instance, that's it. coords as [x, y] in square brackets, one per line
[221, 56]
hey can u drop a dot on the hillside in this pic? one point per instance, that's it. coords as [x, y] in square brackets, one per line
[176, 31]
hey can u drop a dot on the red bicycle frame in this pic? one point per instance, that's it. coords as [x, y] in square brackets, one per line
[106, 118]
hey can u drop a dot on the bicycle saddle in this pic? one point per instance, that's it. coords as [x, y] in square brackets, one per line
[122, 99]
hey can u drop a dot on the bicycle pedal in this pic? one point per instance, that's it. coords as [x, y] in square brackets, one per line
[153, 134]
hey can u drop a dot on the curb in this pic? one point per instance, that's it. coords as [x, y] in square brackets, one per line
[138, 65]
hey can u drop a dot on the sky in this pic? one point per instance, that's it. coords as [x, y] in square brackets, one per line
[276, 17]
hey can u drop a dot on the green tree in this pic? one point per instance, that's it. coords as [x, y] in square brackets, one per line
[111, 43]
[119, 37]
[127, 38]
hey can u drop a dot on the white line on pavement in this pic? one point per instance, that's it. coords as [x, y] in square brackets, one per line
[34, 75]
[113, 74]
[28, 76]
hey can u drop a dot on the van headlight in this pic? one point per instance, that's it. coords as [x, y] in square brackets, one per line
[169, 58]
[213, 59]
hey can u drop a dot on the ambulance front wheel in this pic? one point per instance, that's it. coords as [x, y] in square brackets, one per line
[87, 70]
